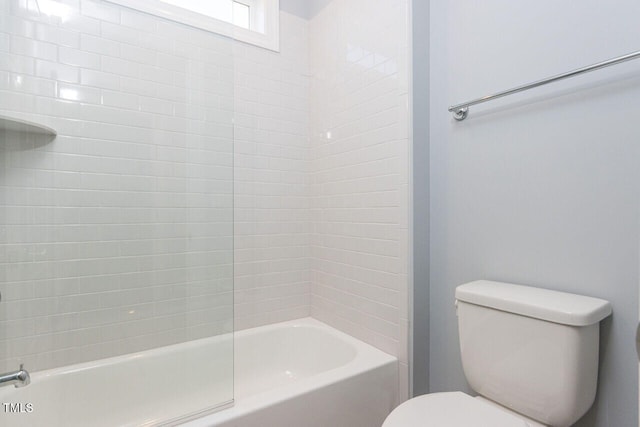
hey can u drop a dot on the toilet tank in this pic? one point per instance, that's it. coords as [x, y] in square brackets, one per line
[533, 351]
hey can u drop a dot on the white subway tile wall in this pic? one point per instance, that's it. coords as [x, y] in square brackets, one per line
[272, 185]
[360, 168]
[117, 236]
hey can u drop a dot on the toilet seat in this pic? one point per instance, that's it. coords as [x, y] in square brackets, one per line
[454, 409]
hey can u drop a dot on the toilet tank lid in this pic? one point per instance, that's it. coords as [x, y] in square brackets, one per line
[544, 304]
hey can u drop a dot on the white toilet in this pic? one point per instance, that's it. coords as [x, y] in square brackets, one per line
[531, 354]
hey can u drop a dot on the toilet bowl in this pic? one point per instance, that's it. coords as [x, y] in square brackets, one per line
[454, 409]
[531, 354]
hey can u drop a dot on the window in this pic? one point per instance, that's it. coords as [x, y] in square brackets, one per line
[242, 15]
[250, 21]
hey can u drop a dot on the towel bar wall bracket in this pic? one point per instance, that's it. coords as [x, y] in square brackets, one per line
[461, 111]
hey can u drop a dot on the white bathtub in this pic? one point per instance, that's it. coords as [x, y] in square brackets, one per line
[301, 373]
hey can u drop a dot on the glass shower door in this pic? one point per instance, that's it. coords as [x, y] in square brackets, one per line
[116, 216]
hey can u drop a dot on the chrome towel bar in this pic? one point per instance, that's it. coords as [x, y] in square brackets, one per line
[461, 111]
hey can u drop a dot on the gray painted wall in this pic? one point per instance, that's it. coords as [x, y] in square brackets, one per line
[420, 156]
[539, 188]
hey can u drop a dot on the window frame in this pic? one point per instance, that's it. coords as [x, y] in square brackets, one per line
[264, 16]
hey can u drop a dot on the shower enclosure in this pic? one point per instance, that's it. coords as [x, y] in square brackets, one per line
[116, 208]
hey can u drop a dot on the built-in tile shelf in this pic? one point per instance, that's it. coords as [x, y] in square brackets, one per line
[24, 126]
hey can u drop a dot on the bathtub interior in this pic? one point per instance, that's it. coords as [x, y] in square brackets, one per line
[305, 373]
[302, 350]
